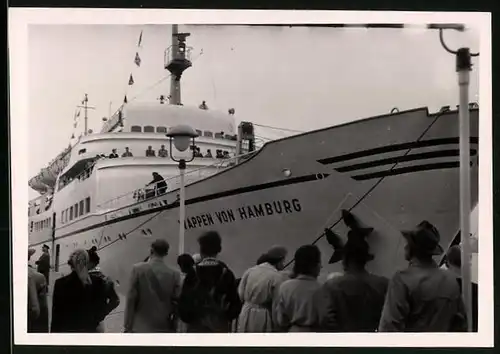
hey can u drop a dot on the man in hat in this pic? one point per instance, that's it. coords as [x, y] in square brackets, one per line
[43, 263]
[38, 293]
[423, 297]
[257, 289]
[355, 298]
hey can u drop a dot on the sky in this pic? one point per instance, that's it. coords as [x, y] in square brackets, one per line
[295, 78]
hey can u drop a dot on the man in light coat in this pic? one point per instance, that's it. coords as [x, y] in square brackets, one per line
[154, 290]
[423, 297]
[257, 289]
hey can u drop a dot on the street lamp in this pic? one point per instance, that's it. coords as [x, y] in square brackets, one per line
[182, 136]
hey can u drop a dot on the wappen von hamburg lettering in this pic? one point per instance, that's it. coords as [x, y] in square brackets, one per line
[254, 211]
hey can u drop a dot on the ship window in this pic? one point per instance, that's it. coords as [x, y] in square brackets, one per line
[228, 137]
[81, 208]
[219, 135]
[70, 213]
[82, 151]
[31, 226]
[62, 216]
[200, 133]
[208, 134]
[87, 205]
[136, 128]
[76, 210]
[161, 129]
[149, 129]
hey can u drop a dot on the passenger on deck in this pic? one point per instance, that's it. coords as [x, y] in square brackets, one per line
[197, 152]
[454, 263]
[218, 154]
[159, 183]
[113, 154]
[423, 297]
[203, 105]
[354, 299]
[163, 152]
[112, 299]
[127, 153]
[299, 305]
[150, 152]
[154, 290]
[257, 289]
[209, 153]
[225, 155]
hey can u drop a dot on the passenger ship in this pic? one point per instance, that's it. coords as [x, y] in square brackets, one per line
[390, 172]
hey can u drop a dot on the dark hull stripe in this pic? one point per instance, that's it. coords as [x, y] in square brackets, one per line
[392, 148]
[401, 159]
[204, 198]
[405, 170]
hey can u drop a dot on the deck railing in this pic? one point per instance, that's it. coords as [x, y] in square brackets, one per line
[151, 191]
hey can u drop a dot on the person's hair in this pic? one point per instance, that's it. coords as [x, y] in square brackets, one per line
[307, 258]
[356, 254]
[210, 243]
[454, 256]
[185, 262]
[160, 247]
[262, 259]
[78, 259]
[93, 256]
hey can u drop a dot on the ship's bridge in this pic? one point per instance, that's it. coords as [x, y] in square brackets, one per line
[157, 118]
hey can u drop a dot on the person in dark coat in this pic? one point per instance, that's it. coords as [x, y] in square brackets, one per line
[79, 300]
[43, 263]
[209, 300]
[39, 324]
[112, 297]
[355, 299]
[159, 183]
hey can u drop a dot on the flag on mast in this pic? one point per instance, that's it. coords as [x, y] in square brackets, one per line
[140, 40]
[125, 99]
[137, 59]
[78, 114]
[131, 80]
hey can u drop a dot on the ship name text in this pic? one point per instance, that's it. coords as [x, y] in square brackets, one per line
[246, 212]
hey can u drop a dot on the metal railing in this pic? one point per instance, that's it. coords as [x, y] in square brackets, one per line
[151, 191]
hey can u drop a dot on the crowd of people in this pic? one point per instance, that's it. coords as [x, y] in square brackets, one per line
[162, 152]
[205, 296]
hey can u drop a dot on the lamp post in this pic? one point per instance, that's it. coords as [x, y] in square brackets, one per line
[463, 66]
[183, 137]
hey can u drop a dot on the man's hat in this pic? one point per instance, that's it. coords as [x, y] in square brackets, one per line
[45, 246]
[425, 237]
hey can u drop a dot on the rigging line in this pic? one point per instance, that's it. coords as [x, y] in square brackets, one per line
[379, 181]
[276, 128]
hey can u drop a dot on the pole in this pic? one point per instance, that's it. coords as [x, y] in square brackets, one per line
[182, 210]
[463, 67]
[85, 109]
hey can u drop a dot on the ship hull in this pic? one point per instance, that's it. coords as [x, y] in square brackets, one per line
[392, 172]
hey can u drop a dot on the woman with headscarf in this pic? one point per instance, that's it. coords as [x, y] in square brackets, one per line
[79, 300]
[257, 289]
[112, 298]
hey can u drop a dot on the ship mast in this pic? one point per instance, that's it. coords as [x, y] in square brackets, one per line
[85, 111]
[177, 63]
